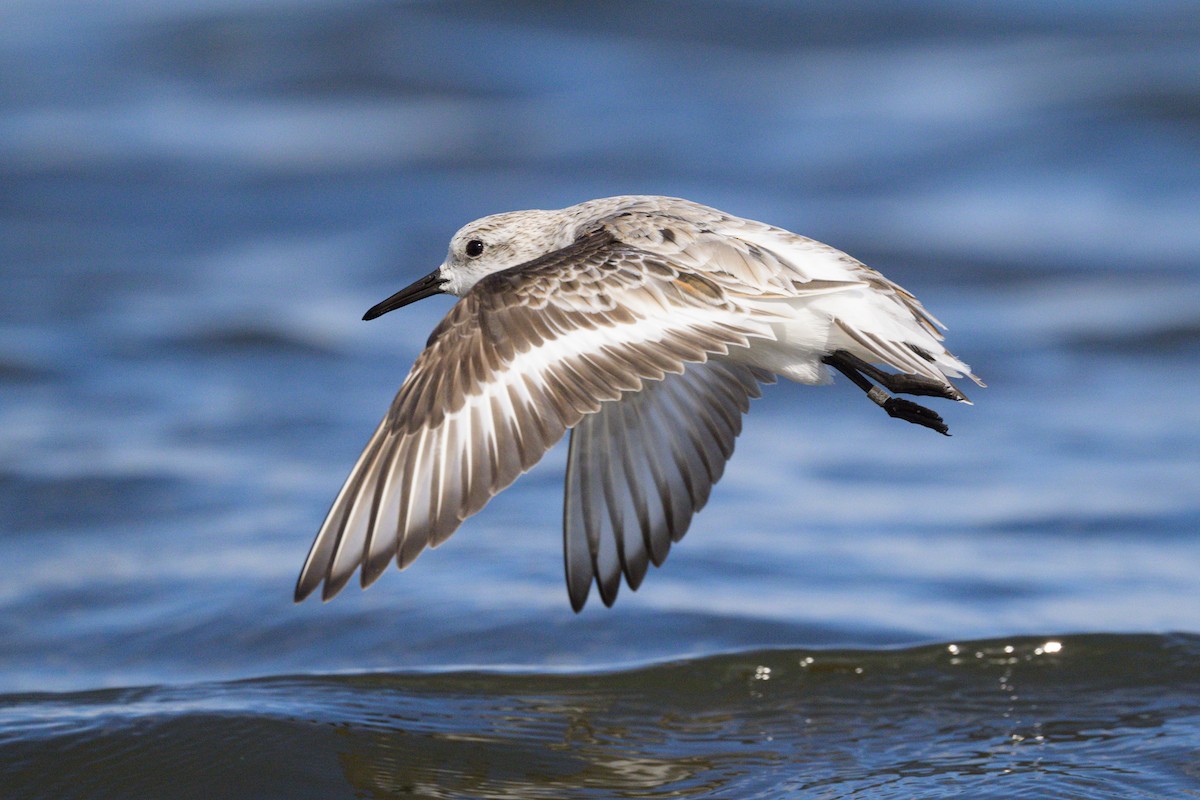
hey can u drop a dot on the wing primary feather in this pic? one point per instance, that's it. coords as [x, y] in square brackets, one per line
[637, 496]
[701, 467]
[347, 556]
[709, 437]
[601, 536]
[413, 529]
[690, 456]
[626, 526]
[380, 545]
[319, 556]
[577, 557]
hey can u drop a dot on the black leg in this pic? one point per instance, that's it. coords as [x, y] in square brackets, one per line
[894, 406]
[900, 383]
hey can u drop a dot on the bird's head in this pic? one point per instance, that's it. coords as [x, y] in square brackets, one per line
[480, 248]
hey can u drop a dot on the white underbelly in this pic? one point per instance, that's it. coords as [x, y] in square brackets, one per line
[797, 350]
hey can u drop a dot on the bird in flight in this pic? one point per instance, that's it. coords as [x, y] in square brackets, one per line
[643, 325]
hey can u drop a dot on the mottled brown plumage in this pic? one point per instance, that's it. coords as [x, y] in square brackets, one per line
[646, 325]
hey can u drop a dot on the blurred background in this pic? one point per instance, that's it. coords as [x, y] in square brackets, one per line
[199, 198]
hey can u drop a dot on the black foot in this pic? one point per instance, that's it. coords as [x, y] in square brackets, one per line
[920, 385]
[853, 367]
[899, 383]
[916, 414]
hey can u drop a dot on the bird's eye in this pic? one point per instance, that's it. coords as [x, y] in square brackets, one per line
[474, 248]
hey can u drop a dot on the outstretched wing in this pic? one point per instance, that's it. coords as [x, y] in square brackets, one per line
[642, 466]
[525, 355]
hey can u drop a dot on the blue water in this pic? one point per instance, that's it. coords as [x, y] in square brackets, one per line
[198, 200]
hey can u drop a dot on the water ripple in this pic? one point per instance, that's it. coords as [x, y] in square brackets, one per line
[934, 721]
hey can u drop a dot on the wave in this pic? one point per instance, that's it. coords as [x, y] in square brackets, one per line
[1085, 716]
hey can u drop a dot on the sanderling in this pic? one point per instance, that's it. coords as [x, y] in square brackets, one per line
[644, 325]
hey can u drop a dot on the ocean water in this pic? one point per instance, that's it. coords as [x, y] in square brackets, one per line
[198, 200]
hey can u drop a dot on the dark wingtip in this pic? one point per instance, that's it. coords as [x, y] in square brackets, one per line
[577, 603]
[372, 572]
[331, 589]
[302, 590]
[607, 597]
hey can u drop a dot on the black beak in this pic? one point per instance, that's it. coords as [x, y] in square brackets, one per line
[428, 286]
